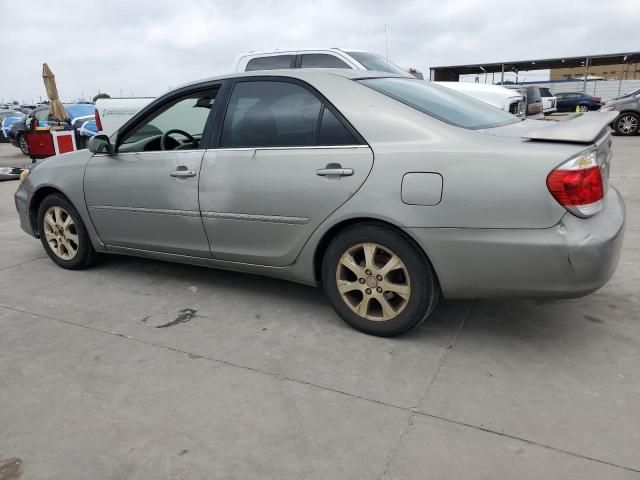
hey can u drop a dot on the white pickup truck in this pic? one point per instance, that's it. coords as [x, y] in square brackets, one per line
[112, 113]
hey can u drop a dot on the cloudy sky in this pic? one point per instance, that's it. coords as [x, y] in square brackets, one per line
[142, 47]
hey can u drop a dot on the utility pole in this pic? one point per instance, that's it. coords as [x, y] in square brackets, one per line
[386, 43]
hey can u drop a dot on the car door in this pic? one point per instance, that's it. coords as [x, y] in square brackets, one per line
[145, 195]
[284, 161]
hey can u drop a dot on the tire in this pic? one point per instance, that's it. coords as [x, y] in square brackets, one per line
[22, 143]
[627, 124]
[583, 108]
[75, 250]
[362, 288]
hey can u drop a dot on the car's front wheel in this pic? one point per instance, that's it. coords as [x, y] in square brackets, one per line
[627, 124]
[378, 281]
[63, 234]
[22, 143]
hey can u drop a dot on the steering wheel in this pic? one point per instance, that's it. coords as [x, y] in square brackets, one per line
[165, 135]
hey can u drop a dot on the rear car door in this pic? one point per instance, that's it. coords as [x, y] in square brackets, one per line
[145, 195]
[284, 161]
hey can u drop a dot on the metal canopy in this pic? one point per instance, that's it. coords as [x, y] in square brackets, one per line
[452, 73]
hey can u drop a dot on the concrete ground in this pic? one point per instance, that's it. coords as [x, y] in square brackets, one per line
[138, 369]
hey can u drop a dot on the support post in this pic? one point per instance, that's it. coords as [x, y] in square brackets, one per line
[586, 74]
[502, 76]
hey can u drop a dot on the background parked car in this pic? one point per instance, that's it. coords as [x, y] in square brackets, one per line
[8, 118]
[628, 122]
[572, 101]
[548, 101]
[533, 100]
[496, 95]
[78, 115]
[319, 58]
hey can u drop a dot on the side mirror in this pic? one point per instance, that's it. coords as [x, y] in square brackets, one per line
[99, 144]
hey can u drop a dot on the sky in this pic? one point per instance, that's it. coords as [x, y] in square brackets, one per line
[145, 47]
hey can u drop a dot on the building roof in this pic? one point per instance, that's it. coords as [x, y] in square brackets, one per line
[453, 72]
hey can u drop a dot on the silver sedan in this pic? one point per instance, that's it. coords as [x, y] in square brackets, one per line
[389, 192]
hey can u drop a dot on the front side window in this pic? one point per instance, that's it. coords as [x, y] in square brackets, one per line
[545, 92]
[274, 62]
[321, 60]
[175, 126]
[440, 102]
[270, 114]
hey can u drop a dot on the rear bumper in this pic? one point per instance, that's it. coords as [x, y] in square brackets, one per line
[571, 259]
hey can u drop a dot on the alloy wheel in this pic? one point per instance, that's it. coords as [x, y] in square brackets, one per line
[60, 233]
[24, 147]
[373, 281]
[583, 108]
[628, 124]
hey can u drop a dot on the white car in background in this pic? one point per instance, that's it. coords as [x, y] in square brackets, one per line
[112, 113]
[318, 58]
[549, 101]
[500, 97]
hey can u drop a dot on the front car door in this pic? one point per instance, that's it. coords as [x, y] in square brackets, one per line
[284, 161]
[145, 195]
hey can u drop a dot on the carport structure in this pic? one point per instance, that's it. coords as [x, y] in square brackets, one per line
[452, 73]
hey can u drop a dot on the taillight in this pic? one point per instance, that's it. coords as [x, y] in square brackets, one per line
[98, 122]
[577, 185]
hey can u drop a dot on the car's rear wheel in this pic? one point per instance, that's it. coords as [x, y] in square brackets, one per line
[378, 281]
[627, 124]
[22, 143]
[583, 108]
[63, 234]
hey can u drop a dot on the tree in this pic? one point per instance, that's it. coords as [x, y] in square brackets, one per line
[101, 95]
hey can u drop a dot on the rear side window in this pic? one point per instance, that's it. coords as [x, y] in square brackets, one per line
[275, 62]
[333, 132]
[321, 60]
[270, 114]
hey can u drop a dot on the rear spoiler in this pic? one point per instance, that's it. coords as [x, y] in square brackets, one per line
[584, 128]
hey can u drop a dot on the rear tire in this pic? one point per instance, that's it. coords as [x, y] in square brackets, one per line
[63, 234]
[22, 143]
[627, 124]
[378, 281]
[583, 108]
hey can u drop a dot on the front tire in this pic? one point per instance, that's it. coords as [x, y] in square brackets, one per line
[22, 143]
[378, 281]
[63, 234]
[627, 124]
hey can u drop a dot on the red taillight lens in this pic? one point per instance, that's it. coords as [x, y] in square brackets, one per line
[577, 185]
[98, 122]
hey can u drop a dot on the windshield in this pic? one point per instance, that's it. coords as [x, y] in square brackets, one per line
[442, 103]
[371, 61]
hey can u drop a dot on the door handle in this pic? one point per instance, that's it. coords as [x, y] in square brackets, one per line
[332, 171]
[182, 172]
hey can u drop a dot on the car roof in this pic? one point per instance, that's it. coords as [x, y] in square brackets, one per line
[306, 74]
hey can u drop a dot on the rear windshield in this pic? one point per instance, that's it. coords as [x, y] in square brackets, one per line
[371, 61]
[441, 102]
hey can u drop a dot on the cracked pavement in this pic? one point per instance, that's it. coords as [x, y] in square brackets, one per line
[265, 381]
